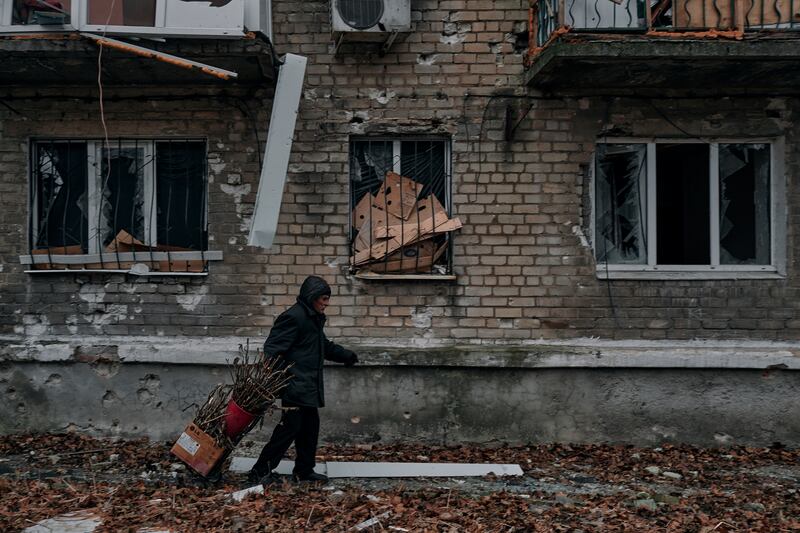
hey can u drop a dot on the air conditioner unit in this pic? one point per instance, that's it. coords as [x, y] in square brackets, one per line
[370, 20]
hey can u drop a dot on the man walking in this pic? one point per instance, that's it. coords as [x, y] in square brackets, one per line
[297, 338]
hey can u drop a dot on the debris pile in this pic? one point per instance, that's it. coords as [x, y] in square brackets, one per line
[398, 230]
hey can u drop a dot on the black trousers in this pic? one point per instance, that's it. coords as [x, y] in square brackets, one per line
[299, 425]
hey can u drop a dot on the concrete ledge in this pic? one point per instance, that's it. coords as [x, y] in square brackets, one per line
[576, 353]
[588, 63]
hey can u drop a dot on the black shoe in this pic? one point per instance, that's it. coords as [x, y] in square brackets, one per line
[254, 477]
[312, 477]
[269, 479]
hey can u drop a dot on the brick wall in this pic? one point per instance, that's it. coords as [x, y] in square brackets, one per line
[522, 271]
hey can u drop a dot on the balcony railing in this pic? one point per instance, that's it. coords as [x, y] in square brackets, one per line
[605, 16]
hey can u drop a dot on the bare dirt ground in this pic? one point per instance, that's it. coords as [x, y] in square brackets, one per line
[136, 485]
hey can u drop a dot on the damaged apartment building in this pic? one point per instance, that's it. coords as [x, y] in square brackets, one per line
[555, 220]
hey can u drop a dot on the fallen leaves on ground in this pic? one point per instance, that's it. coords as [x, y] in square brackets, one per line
[604, 488]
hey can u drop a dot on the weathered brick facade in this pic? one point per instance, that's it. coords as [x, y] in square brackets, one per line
[521, 269]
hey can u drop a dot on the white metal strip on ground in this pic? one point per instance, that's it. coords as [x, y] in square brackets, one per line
[244, 464]
[357, 470]
[394, 470]
[276, 154]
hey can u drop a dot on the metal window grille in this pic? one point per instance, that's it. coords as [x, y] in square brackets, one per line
[422, 201]
[132, 195]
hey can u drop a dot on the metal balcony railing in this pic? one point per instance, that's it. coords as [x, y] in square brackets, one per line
[668, 15]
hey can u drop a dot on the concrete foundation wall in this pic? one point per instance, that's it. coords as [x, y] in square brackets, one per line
[442, 405]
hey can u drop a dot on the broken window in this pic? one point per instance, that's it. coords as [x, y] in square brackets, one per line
[59, 209]
[744, 204]
[144, 200]
[709, 205]
[400, 206]
[620, 191]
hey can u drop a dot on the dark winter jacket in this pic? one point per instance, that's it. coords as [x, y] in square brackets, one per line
[298, 338]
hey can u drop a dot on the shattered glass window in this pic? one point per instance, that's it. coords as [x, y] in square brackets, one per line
[129, 196]
[620, 196]
[370, 160]
[123, 193]
[60, 199]
[686, 191]
[744, 204]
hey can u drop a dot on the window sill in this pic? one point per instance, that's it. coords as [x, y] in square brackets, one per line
[686, 274]
[132, 271]
[144, 263]
[370, 276]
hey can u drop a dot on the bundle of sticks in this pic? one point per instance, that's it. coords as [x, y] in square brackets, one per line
[211, 416]
[257, 383]
[397, 228]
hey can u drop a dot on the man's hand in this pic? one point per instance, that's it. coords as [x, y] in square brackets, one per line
[352, 360]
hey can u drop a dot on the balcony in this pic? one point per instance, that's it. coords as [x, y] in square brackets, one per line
[51, 41]
[697, 46]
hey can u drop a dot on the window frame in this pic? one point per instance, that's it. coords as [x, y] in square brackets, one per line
[397, 140]
[94, 254]
[258, 14]
[776, 269]
[94, 156]
[160, 27]
[7, 17]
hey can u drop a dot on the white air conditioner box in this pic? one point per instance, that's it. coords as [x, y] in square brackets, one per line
[369, 20]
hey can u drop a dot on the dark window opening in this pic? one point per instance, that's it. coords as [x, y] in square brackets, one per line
[60, 197]
[181, 193]
[682, 210]
[744, 199]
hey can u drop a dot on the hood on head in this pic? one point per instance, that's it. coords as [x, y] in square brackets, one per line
[312, 288]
